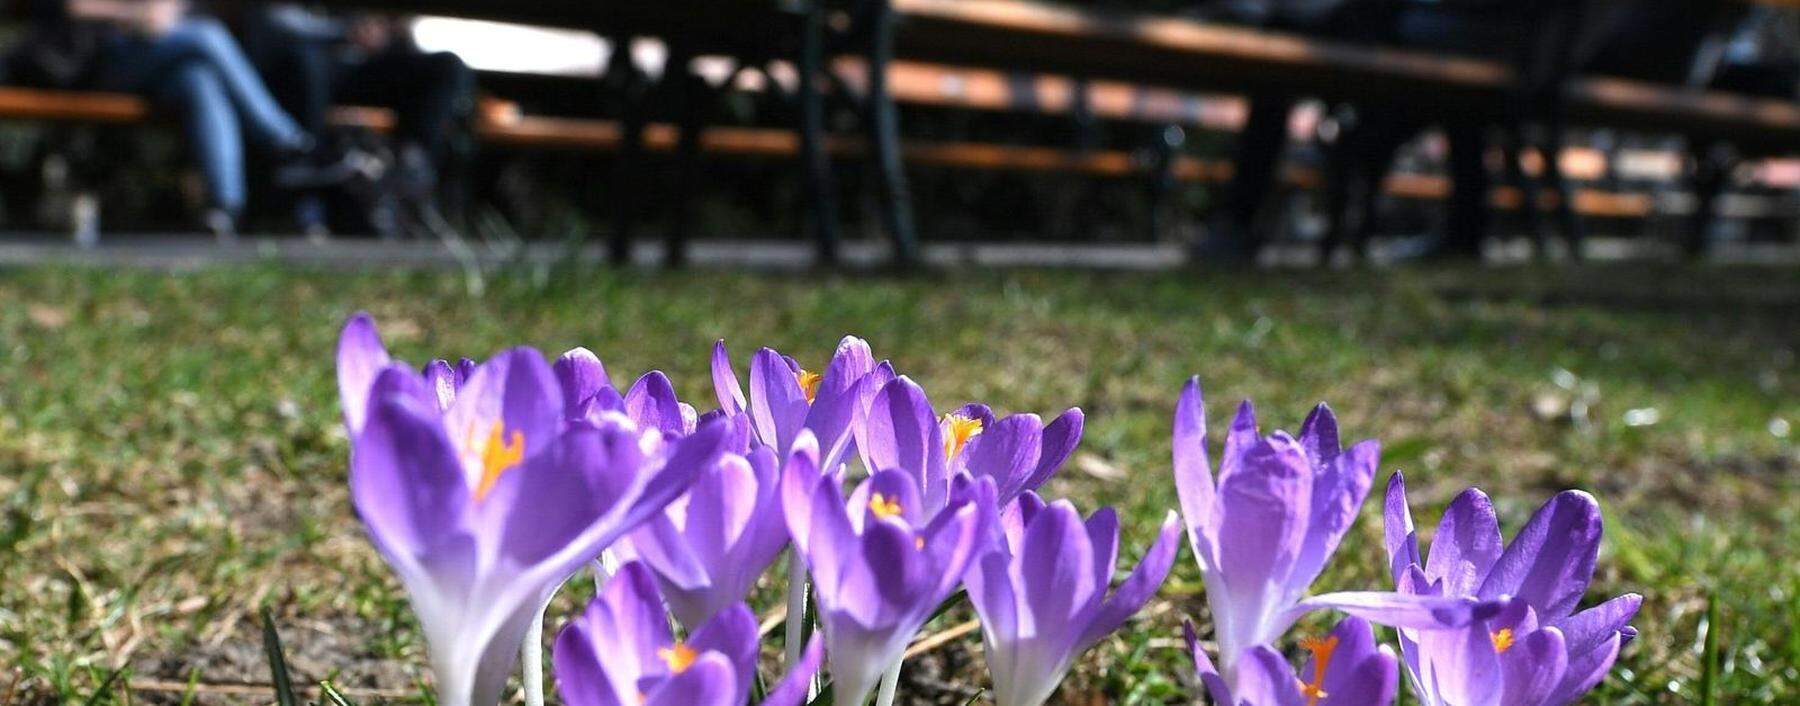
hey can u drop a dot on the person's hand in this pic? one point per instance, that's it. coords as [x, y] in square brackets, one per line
[371, 34]
[161, 16]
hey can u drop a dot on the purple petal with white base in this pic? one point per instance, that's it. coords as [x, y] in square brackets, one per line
[620, 651]
[1042, 594]
[1264, 530]
[1536, 652]
[1344, 668]
[877, 574]
[484, 508]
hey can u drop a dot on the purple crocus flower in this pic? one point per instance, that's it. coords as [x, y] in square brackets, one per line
[880, 564]
[1344, 668]
[1020, 452]
[709, 547]
[1539, 651]
[621, 652]
[1264, 531]
[484, 508]
[1042, 593]
[650, 402]
[786, 398]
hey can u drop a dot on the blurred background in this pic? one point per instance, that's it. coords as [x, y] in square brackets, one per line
[1528, 244]
[1224, 132]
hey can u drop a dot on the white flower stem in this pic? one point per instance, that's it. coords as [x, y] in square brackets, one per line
[532, 658]
[796, 609]
[890, 683]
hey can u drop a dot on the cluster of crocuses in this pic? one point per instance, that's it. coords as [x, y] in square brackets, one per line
[488, 485]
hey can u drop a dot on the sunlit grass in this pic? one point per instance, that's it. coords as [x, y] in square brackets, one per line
[171, 457]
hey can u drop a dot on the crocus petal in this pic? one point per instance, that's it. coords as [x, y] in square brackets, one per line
[1264, 678]
[1589, 629]
[405, 478]
[1359, 671]
[1060, 579]
[1466, 545]
[1402, 610]
[709, 681]
[1338, 491]
[839, 395]
[1007, 452]
[1193, 472]
[1464, 667]
[580, 680]
[442, 379]
[791, 691]
[725, 381]
[1586, 671]
[1240, 437]
[1262, 525]
[777, 404]
[902, 433]
[1060, 438]
[360, 357]
[732, 633]
[1139, 586]
[991, 591]
[1550, 561]
[1401, 538]
[1533, 668]
[580, 374]
[511, 399]
[1209, 675]
[1319, 435]
[800, 476]
[651, 402]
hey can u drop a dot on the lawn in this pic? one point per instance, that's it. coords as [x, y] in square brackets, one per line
[171, 457]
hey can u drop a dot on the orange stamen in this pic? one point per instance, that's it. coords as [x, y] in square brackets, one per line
[1321, 649]
[497, 452]
[679, 657]
[1503, 640]
[883, 506]
[959, 430]
[809, 383]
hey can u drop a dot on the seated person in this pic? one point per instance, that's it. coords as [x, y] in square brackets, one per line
[190, 64]
[315, 60]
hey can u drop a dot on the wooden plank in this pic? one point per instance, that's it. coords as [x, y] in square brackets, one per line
[540, 132]
[71, 106]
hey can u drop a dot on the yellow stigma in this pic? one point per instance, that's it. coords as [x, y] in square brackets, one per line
[809, 383]
[497, 452]
[1503, 640]
[960, 430]
[884, 506]
[679, 657]
[919, 543]
[1321, 649]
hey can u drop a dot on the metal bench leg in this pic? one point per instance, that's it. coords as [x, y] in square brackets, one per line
[692, 99]
[821, 198]
[631, 151]
[884, 129]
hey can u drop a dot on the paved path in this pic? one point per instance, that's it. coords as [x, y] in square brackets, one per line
[189, 251]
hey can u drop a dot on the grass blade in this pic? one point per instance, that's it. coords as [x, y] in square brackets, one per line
[278, 668]
[1709, 654]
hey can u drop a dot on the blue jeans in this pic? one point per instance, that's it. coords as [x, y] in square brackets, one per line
[198, 70]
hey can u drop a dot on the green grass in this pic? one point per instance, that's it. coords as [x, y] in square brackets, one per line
[171, 458]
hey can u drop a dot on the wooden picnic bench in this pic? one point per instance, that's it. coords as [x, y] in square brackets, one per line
[597, 135]
[1008, 35]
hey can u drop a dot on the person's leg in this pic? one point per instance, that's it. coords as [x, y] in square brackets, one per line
[1469, 190]
[429, 91]
[196, 93]
[1258, 155]
[206, 39]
